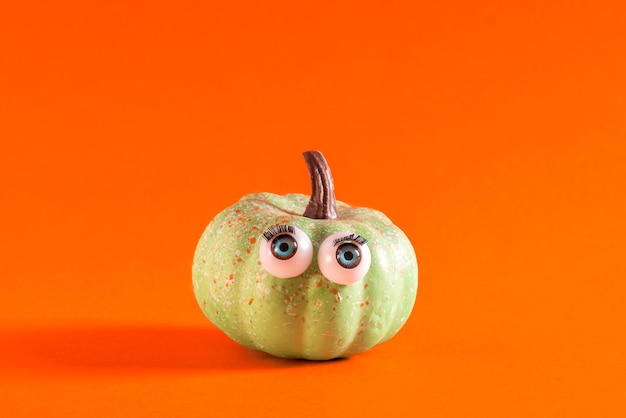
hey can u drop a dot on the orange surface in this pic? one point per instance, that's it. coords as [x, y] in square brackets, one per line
[492, 133]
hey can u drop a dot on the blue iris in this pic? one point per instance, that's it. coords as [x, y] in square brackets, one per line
[284, 247]
[348, 255]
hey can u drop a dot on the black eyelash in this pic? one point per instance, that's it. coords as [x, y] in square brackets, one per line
[278, 229]
[352, 237]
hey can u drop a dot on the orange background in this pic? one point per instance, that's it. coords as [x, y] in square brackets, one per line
[492, 133]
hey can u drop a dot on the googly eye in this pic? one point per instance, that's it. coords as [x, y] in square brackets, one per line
[285, 251]
[344, 258]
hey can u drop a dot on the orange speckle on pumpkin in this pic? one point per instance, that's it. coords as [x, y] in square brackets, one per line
[367, 302]
[366, 285]
[318, 303]
[302, 319]
[239, 260]
[217, 312]
[254, 227]
[204, 261]
[362, 304]
[319, 284]
[248, 250]
[239, 219]
[250, 301]
[255, 208]
[253, 240]
[231, 277]
[237, 211]
[214, 281]
[335, 291]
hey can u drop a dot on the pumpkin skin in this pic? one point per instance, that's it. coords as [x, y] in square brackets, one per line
[307, 316]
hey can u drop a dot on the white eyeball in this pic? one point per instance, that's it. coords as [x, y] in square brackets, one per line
[344, 258]
[286, 251]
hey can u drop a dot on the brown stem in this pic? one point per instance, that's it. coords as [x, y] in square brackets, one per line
[322, 203]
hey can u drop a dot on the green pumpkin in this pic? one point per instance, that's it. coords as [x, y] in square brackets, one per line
[305, 277]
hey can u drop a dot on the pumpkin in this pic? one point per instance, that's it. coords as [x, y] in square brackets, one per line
[305, 277]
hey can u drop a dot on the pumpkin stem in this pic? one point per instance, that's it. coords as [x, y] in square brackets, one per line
[322, 203]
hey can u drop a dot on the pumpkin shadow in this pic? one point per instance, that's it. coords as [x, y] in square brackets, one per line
[131, 349]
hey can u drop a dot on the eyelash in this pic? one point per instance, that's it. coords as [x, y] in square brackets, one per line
[274, 230]
[352, 237]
